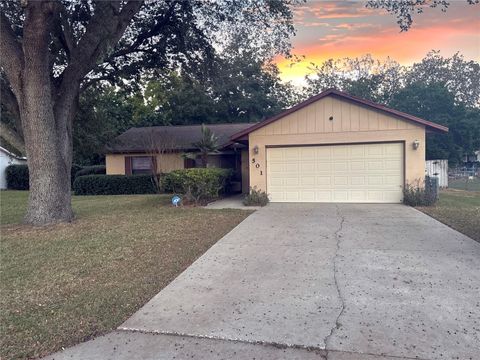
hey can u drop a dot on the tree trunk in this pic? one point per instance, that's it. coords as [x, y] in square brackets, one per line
[48, 149]
[204, 159]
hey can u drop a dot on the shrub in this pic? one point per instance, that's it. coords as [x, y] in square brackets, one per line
[417, 195]
[17, 177]
[91, 170]
[114, 185]
[73, 172]
[198, 185]
[256, 198]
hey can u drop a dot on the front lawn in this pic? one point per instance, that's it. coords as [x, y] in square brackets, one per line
[459, 210]
[64, 284]
[465, 184]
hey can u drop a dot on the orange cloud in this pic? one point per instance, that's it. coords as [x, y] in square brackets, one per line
[379, 36]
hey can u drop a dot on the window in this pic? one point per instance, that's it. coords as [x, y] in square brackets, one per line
[135, 165]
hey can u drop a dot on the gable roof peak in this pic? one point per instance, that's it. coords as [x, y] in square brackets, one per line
[345, 96]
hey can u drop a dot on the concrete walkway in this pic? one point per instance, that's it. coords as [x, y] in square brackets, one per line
[314, 281]
[231, 202]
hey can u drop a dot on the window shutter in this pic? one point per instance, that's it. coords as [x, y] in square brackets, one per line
[128, 165]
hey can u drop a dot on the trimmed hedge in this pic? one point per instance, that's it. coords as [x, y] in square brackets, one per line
[198, 185]
[73, 172]
[114, 185]
[91, 170]
[17, 177]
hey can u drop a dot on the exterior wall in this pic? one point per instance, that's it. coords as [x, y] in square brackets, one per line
[351, 124]
[115, 163]
[245, 172]
[7, 159]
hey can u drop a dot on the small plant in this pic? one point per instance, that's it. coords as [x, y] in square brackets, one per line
[256, 198]
[418, 194]
[198, 185]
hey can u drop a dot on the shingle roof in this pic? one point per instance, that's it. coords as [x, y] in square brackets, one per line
[180, 137]
[332, 92]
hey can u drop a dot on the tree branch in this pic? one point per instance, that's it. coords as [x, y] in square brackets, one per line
[63, 29]
[11, 55]
[154, 30]
[12, 137]
[10, 103]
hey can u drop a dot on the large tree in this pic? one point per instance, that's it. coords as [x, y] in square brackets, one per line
[51, 50]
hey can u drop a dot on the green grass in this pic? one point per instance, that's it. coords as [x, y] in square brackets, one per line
[465, 184]
[67, 283]
[459, 210]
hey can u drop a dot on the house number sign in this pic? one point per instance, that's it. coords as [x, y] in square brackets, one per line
[257, 165]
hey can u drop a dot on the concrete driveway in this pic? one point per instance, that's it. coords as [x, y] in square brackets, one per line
[313, 281]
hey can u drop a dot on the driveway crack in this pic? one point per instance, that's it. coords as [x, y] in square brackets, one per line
[338, 238]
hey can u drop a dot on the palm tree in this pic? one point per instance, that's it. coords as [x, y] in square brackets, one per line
[208, 144]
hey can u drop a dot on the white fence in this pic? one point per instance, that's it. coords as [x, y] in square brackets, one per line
[439, 169]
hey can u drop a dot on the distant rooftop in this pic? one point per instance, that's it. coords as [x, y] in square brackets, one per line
[180, 137]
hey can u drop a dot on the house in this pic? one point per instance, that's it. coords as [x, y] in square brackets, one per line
[333, 147]
[8, 158]
[472, 158]
[162, 149]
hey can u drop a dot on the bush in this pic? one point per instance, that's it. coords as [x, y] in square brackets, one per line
[114, 185]
[91, 170]
[73, 172]
[198, 185]
[416, 195]
[256, 198]
[17, 177]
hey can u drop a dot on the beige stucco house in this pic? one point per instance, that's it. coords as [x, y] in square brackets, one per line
[333, 147]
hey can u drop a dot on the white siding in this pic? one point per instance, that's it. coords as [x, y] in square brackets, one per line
[6, 158]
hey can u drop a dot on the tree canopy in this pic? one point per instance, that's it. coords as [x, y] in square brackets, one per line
[445, 90]
[53, 51]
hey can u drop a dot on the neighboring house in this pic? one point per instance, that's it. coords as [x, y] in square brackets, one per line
[333, 147]
[475, 157]
[8, 158]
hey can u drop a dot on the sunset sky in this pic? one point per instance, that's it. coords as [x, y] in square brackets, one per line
[337, 29]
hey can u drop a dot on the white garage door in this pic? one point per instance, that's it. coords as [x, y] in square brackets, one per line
[337, 173]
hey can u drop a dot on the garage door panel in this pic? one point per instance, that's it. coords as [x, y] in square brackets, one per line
[357, 180]
[323, 153]
[375, 165]
[308, 181]
[375, 150]
[323, 166]
[307, 167]
[339, 173]
[291, 181]
[341, 165]
[323, 196]
[340, 195]
[340, 180]
[357, 152]
[357, 165]
[359, 195]
[392, 164]
[276, 167]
